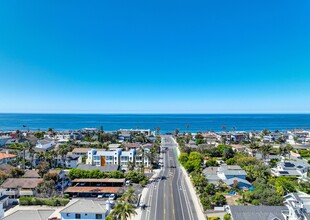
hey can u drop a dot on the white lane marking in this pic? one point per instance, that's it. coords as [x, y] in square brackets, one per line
[187, 200]
[180, 196]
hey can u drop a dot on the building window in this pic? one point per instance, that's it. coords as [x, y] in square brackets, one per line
[98, 216]
[77, 216]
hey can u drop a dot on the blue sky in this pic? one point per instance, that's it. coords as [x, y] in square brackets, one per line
[155, 56]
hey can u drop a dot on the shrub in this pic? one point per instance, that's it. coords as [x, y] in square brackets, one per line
[213, 218]
[227, 217]
[43, 201]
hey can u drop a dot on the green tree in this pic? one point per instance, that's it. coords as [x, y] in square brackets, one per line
[183, 158]
[130, 165]
[17, 172]
[228, 152]
[231, 161]
[219, 200]
[265, 149]
[211, 162]
[210, 189]
[47, 188]
[206, 202]
[43, 168]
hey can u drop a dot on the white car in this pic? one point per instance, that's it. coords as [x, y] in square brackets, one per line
[112, 197]
[100, 196]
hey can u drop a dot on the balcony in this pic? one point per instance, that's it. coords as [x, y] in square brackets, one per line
[11, 192]
[26, 193]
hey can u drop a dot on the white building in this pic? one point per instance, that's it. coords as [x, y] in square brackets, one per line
[140, 159]
[115, 157]
[71, 160]
[298, 205]
[127, 156]
[45, 144]
[85, 209]
[298, 168]
[102, 157]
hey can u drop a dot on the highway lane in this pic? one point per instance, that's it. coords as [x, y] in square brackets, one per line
[169, 197]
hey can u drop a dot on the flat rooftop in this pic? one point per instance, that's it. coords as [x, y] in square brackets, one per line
[106, 180]
[91, 189]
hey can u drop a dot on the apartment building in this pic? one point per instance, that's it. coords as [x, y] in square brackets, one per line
[114, 157]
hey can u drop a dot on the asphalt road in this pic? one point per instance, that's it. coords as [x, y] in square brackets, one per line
[169, 197]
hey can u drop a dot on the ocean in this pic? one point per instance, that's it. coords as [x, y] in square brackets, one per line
[166, 122]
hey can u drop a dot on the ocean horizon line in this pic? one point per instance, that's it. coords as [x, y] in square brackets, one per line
[154, 113]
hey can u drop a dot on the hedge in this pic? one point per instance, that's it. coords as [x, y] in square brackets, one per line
[43, 201]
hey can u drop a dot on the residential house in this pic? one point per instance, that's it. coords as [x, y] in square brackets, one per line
[239, 212]
[142, 158]
[114, 146]
[6, 158]
[298, 205]
[237, 137]
[81, 151]
[6, 168]
[127, 156]
[4, 199]
[211, 174]
[16, 187]
[71, 160]
[45, 144]
[131, 145]
[3, 140]
[229, 174]
[31, 174]
[239, 148]
[298, 168]
[192, 144]
[33, 214]
[85, 209]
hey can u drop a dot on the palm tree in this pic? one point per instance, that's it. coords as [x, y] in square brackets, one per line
[130, 165]
[157, 130]
[31, 152]
[129, 196]
[176, 132]
[266, 150]
[123, 211]
[62, 151]
[50, 157]
[41, 156]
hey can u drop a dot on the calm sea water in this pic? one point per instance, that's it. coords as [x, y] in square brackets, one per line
[166, 122]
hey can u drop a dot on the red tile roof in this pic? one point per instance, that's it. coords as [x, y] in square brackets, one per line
[5, 156]
[91, 189]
